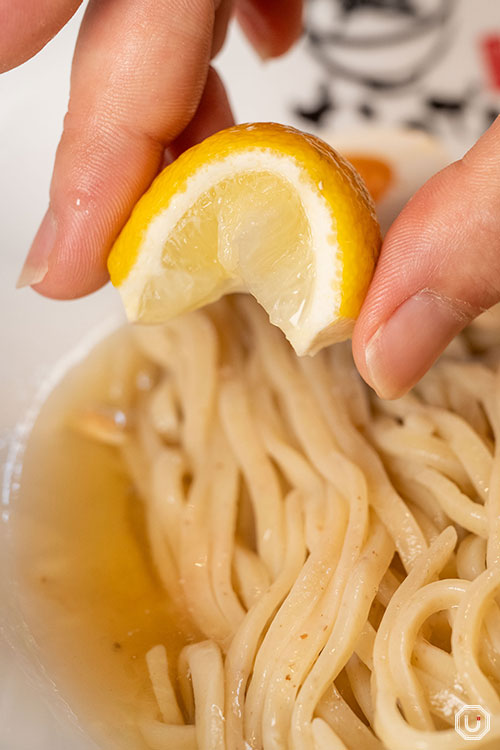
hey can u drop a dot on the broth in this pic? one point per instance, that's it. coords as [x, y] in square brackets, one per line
[87, 586]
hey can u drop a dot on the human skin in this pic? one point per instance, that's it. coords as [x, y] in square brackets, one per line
[439, 268]
[141, 80]
[143, 90]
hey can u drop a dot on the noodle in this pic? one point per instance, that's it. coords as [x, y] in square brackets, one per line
[156, 659]
[334, 559]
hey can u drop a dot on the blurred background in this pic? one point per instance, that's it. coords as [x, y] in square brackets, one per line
[431, 65]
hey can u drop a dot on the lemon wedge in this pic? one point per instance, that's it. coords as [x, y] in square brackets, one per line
[259, 208]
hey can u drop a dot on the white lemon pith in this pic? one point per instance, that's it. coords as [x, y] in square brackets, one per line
[252, 209]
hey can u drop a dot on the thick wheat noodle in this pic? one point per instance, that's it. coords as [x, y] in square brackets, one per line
[165, 562]
[185, 686]
[252, 578]
[307, 641]
[465, 638]
[444, 701]
[434, 661]
[385, 500]
[388, 586]
[469, 448]
[432, 389]
[156, 659]
[167, 496]
[463, 403]
[301, 410]
[293, 465]
[477, 380]
[493, 513]
[347, 385]
[258, 470]
[387, 716]
[359, 678]
[163, 411]
[429, 599]
[389, 722]
[195, 557]
[161, 551]
[334, 710]
[352, 614]
[426, 524]
[471, 557]
[363, 646]
[241, 655]
[415, 492]
[207, 676]
[308, 420]
[276, 492]
[223, 500]
[314, 508]
[197, 341]
[490, 643]
[456, 504]
[291, 461]
[324, 738]
[492, 404]
[418, 449]
[435, 669]
[283, 637]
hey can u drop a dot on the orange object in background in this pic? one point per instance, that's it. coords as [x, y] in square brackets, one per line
[376, 173]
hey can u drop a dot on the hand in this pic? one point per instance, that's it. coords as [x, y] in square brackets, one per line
[439, 268]
[141, 82]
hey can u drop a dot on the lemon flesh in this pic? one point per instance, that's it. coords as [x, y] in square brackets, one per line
[247, 233]
[257, 208]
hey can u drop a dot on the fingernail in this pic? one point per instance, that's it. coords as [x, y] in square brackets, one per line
[36, 264]
[406, 345]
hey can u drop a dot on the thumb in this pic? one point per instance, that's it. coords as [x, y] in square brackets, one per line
[439, 268]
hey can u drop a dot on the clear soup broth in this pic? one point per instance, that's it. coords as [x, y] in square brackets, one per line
[87, 586]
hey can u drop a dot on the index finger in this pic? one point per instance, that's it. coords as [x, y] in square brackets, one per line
[138, 75]
[27, 25]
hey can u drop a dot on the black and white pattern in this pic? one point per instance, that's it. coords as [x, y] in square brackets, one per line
[393, 61]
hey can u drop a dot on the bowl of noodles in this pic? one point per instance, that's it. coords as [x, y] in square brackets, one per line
[233, 547]
[211, 543]
[214, 543]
